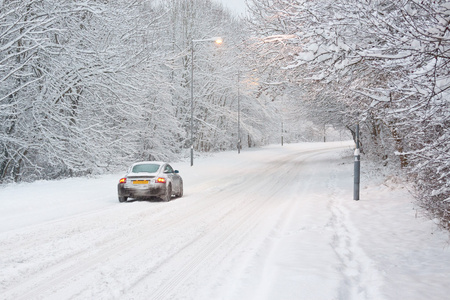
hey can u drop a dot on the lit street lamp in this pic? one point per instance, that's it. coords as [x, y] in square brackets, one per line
[218, 41]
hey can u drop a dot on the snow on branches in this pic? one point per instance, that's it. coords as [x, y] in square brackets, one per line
[388, 64]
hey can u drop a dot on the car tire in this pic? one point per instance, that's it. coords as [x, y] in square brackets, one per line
[168, 195]
[180, 193]
[123, 198]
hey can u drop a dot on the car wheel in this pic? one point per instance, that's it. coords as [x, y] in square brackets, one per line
[168, 195]
[180, 193]
[122, 198]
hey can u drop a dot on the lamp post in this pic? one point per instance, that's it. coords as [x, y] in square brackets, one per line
[356, 166]
[239, 113]
[218, 41]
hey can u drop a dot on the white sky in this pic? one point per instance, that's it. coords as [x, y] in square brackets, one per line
[237, 6]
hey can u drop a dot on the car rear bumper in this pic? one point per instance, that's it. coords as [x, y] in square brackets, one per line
[150, 191]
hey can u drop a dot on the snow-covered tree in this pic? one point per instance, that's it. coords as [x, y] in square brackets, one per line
[381, 63]
[69, 91]
[91, 85]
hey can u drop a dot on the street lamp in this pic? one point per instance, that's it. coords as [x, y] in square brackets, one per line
[239, 113]
[218, 41]
[356, 166]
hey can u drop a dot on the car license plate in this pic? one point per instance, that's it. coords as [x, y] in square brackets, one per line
[140, 181]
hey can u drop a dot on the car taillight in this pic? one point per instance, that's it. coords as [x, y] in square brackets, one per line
[161, 180]
[123, 180]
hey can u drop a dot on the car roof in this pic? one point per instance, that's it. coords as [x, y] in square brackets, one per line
[149, 162]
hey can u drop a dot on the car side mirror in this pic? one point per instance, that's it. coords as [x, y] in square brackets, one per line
[176, 171]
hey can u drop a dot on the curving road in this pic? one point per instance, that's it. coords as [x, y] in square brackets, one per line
[266, 222]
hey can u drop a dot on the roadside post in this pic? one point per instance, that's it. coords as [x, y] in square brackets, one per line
[356, 166]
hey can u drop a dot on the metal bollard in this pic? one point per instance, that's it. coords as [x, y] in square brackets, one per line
[356, 175]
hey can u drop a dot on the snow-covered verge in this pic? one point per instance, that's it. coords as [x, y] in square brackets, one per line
[410, 252]
[270, 223]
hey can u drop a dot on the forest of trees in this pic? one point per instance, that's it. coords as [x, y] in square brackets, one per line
[382, 64]
[93, 85]
[90, 86]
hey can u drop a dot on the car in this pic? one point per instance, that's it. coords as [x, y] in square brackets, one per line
[147, 179]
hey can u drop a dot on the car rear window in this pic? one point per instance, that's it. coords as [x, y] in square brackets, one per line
[145, 168]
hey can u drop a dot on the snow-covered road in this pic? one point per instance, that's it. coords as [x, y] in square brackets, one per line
[272, 223]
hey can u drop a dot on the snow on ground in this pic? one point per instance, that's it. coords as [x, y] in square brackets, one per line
[270, 223]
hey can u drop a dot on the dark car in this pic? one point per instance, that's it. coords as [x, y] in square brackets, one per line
[150, 179]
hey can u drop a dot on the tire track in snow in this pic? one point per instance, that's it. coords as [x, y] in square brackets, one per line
[238, 223]
[42, 281]
[245, 218]
[268, 275]
[46, 278]
[241, 222]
